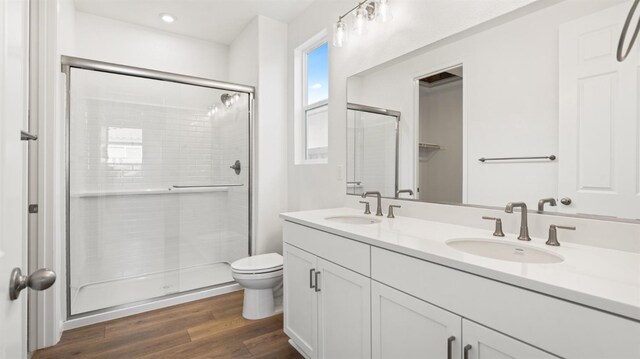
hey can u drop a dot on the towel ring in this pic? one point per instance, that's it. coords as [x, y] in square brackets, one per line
[623, 56]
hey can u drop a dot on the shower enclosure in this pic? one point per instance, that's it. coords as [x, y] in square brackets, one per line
[158, 184]
[372, 149]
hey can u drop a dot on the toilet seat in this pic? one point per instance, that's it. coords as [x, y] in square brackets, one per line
[263, 263]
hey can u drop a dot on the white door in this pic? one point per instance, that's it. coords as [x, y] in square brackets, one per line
[483, 343]
[344, 313]
[13, 119]
[300, 299]
[404, 327]
[598, 125]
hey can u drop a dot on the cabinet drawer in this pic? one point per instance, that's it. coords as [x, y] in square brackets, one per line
[345, 252]
[557, 326]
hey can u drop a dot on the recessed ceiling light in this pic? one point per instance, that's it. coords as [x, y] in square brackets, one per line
[168, 18]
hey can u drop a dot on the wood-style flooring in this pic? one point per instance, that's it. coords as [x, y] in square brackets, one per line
[208, 328]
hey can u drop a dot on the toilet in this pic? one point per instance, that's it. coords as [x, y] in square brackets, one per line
[259, 276]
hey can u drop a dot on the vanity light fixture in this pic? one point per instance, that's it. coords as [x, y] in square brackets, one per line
[168, 18]
[359, 19]
[339, 33]
[367, 10]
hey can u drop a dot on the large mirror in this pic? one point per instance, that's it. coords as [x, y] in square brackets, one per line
[531, 106]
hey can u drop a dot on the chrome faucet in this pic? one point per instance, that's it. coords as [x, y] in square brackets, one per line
[524, 229]
[409, 191]
[379, 197]
[552, 202]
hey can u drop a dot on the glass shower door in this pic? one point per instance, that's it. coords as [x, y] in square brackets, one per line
[158, 188]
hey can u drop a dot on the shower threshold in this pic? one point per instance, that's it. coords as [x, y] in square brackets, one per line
[96, 296]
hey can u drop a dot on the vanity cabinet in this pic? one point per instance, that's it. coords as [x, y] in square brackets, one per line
[327, 307]
[300, 299]
[480, 342]
[347, 299]
[403, 326]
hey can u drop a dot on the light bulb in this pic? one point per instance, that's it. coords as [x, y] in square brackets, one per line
[383, 12]
[360, 17]
[339, 33]
[236, 98]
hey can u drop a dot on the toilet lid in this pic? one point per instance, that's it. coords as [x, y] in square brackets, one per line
[259, 263]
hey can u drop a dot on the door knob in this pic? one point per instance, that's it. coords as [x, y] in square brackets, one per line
[38, 280]
[566, 201]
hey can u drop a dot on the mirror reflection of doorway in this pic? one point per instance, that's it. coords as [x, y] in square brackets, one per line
[440, 137]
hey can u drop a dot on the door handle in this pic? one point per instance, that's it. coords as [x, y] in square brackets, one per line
[566, 201]
[311, 278]
[467, 348]
[450, 340]
[38, 280]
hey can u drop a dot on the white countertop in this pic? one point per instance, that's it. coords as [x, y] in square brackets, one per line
[605, 279]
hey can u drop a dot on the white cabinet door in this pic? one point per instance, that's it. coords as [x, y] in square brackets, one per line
[13, 118]
[483, 343]
[598, 124]
[404, 327]
[300, 299]
[344, 313]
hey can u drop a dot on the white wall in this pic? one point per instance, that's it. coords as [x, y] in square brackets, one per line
[119, 42]
[258, 58]
[415, 24]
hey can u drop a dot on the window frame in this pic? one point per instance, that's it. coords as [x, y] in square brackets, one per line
[301, 107]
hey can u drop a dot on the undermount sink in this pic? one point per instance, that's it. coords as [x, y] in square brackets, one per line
[503, 250]
[353, 219]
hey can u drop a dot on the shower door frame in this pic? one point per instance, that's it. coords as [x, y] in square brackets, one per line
[68, 63]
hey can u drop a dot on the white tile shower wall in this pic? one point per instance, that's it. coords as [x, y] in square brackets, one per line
[120, 236]
[378, 138]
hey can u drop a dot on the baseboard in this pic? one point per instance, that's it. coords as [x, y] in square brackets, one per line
[297, 348]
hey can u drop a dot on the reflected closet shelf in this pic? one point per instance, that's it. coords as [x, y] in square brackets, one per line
[429, 146]
[135, 192]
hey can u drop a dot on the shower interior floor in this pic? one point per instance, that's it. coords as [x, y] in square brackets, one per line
[95, 296]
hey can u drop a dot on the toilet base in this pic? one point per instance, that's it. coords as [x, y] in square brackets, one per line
[258, 303]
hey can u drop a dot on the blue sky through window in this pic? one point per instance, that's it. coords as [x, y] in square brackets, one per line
[318, 74]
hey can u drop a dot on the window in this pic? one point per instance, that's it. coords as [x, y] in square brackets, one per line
[124, 145]
[312, 118]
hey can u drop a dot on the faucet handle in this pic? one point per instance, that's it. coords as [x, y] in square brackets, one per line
[367, 208]
[498, 231]
[391, 207]
[553, 234]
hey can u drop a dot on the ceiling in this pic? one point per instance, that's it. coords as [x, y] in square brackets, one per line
[213, 20]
